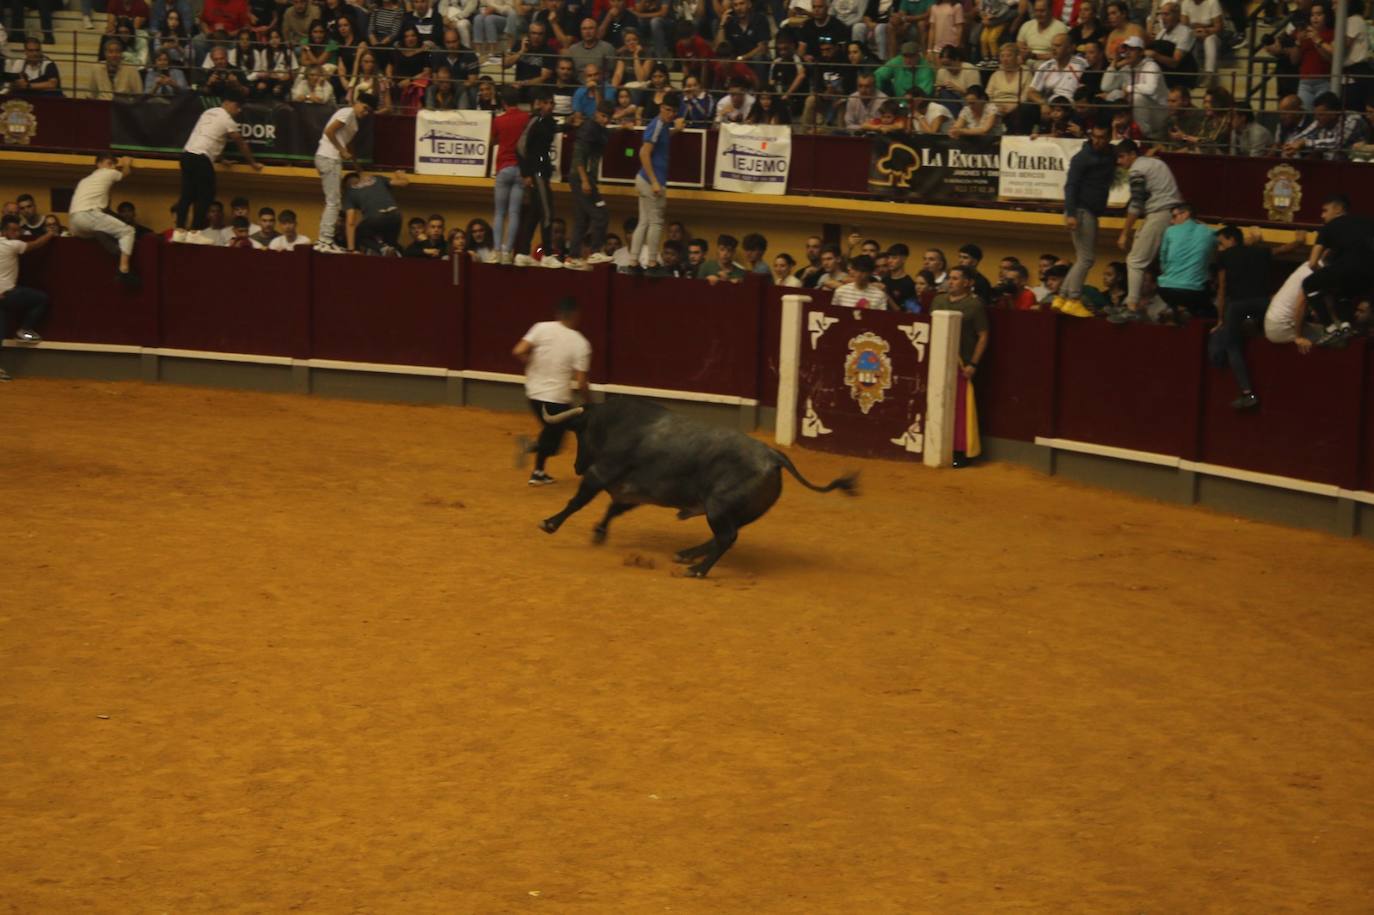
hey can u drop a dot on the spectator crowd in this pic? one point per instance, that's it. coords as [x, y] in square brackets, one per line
[1151, 71]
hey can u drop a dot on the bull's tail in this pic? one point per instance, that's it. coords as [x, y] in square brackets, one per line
[848, 484]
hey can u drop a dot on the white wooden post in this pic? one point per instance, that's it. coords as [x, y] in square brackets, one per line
[941, 387]
[789, 367]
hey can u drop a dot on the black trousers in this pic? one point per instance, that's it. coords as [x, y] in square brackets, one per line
[591, 215]
[539, 196]
[31, 305]
[376, 231]
[1344, 278]
[550, 435]
[1197, 301]
[197, 190]
[16, 16]
[1227, 345]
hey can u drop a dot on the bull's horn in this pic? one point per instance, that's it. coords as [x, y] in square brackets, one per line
[554, 419]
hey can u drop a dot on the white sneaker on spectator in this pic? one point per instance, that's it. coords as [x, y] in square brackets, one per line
[328, 247]
[599, 258]
[196, 237]
[5, 376]
[86, 21]
[574, 264]
[27, 336]
[507, 258]
[550, 261]
[493, 60]
[524, 260]
[178, 236]
[491, 256]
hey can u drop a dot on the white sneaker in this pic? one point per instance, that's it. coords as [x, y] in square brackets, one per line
[27, 336]
[179, 236]
[493, 60]
[574, 264]
[491, 256]
[524, 260]
[198, 238]
[507, 258]
[599, 258]
[550, 261]
[86, 21]
[328, 247]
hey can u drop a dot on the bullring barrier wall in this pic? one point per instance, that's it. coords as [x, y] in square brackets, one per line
[1133, 407]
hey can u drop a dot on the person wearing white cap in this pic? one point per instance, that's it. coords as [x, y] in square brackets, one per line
[1139, 82]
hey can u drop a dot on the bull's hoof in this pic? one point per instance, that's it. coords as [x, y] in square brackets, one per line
[682, 558]
[696, 572]
[548, 526]
[598, 535]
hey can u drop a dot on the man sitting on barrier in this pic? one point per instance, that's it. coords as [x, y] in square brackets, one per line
[91, 199]
[30, 304]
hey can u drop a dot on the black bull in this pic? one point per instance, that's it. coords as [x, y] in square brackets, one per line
[643, 454]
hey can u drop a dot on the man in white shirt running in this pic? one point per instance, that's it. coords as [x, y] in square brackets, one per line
[91, 199]
[336, 148]
[215, 127]
[557, 359]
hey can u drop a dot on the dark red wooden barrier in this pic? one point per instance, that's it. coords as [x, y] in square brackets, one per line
[402, 311]
[232, 300]
[1015, 382]
[686, 335]
[1138, 387]
[1308, 425]
[1130, 386]
[502, 303]
[771, 336]
[89, 304]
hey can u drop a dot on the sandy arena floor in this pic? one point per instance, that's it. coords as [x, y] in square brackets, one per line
[267, 653]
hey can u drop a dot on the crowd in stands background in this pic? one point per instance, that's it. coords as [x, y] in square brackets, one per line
[961, 67]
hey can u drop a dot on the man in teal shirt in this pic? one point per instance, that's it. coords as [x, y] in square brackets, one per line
[1184, 258]
[905, 72]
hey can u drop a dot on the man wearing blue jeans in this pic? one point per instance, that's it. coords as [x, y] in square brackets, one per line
[30, 304]
[506, 129]
[652, 181]
[336, 147]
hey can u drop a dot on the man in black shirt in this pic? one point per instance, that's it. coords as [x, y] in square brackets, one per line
[970, 256]
[787, 75]
[463, 64]
[1243, 291]
[592, 213]
[431, 244]
[747, 34]
[536, 170]
[1346, 243]
[901, 288]
[533, 59]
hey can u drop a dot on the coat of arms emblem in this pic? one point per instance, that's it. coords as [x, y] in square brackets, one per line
[868, 370]
[17, 123]
[1283, 193]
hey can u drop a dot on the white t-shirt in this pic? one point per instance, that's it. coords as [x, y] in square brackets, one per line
[93, 191]
[211, 132]
[1283, 307]
[1357, 32]
[873, 296]
[9, 263]
[219, 236]
[1200, 12]
[349, 119]
[281, 244]
[558, 352]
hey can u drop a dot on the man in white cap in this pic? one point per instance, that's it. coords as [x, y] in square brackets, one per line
[1139, 82]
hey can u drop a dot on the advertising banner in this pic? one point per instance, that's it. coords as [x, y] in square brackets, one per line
[1036, 168]
[933, 168]
[280, 130]
[452, 142]
[863, 381]
[753, 158]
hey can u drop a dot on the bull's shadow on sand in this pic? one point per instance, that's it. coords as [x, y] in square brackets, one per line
[756, 556]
